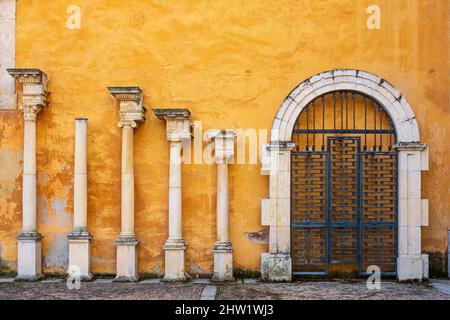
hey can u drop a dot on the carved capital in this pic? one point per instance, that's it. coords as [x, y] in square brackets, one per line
[30, 112]
[124, 122]
[131, 108]
[34, 89]
[223, 144]
[178, 123]
[35, 76]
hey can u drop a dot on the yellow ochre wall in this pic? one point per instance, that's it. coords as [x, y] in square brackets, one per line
[232, 62]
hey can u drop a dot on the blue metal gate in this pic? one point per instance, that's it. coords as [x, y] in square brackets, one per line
[343, 187]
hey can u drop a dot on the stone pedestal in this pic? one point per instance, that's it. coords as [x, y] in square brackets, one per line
[178, 129]
[276, 267]
[80, 255]
[174, 260]
[29, 257]
[223, 261]
[131, 113]
[32, 99]
[126, 263]
[410, 268]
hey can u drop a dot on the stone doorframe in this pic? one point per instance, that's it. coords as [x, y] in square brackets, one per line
[412, 159]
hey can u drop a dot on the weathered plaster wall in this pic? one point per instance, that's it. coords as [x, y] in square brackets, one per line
[232, 63]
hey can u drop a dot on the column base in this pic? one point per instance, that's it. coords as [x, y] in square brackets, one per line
[223, 261]
[174, 261]
[80, 255]
[29, 256]
[412, 268]
[276, 267]
[126, 263]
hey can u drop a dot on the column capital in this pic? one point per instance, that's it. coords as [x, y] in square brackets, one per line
[131, 107]
[34, 91]
[178, 122]
[223, 143]
[30, 112]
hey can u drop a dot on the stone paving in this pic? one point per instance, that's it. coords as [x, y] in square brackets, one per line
[100, 290]
[331, 290]
[204, 290]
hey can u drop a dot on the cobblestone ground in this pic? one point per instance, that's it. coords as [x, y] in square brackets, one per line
[103, 291]
[330, 290]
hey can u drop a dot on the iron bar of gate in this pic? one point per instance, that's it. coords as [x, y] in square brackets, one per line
[307, 127]
[314, 125]
[359, 210]
[390, 136]
[374, 125]
[346, 110]
[343, 131]
[341, 100]
[334, 108]
[365, 123]
[354, 110]
[323, 122]
[328, 204]
[381, 127]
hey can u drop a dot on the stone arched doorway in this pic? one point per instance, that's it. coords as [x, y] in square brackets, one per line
[276, 265]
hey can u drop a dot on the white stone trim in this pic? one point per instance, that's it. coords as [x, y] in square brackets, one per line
[377, 88]
[412, 157]
[7, 54]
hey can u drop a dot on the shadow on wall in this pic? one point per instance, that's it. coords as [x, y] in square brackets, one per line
[438, 264]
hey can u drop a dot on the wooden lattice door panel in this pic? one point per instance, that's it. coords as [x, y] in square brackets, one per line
[343, 199]
[379, 211]
[309, 215]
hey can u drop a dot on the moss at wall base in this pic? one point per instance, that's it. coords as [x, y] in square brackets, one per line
[6, 271]
[438, 264]
[245, 273]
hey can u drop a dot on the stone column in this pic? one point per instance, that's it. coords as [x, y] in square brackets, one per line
[223, 249]
[79, 238]
[33, 99]
[178, 128]
[131, 113]
[412, 211]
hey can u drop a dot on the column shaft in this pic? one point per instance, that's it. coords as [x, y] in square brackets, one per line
[222, 211]
[80, 179]
[175, 198]
[127, 190]
[29, 176]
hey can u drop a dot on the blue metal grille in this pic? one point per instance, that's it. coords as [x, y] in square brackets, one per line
[343, 193]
